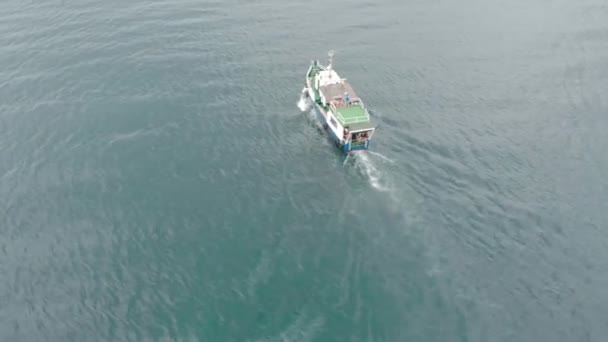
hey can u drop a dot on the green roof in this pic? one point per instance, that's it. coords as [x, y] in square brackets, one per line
[351, 114]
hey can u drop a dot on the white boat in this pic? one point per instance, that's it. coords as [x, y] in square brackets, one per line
[344, 113]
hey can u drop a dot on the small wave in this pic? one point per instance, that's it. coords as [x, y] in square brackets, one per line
[259, 274]
[382, 156]
[303, 328]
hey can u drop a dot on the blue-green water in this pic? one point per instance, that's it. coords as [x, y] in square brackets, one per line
[159, 183]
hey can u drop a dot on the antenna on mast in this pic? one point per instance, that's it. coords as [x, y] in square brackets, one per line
[331, 59]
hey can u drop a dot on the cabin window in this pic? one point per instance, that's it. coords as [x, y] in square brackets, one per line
[360, 138]
[333, 122]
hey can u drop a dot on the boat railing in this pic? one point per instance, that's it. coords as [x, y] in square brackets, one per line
[352, 120]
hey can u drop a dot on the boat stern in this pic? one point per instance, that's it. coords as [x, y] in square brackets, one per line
[357, 141]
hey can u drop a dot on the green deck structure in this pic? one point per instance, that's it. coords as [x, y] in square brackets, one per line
[351, 114]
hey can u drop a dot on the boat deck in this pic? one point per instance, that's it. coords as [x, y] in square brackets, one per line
[337, 90]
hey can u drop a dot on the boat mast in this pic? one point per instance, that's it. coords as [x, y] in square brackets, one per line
[331, 60]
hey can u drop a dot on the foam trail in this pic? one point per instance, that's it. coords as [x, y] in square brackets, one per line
[366, 165]
[306, 105]
[303, 103]
[348, 157]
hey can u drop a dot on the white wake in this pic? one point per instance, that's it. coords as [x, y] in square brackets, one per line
[382, 156]
[367, 166]
[304, 102]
